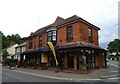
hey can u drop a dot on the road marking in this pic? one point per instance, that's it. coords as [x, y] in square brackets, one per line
[114, 65]
[114, 71]
[53, 77]
[45, 76]
[5, 77]
[113, 78]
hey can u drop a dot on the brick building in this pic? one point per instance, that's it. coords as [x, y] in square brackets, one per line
[76, 44]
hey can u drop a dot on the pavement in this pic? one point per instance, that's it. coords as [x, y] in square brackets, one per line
[103, 74]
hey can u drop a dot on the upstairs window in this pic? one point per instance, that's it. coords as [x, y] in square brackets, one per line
[18, 49]
[23, 48]
[40, 40]
[52, 36]
[49, 36]
[30, 43]
[69, 32]
[89, 35]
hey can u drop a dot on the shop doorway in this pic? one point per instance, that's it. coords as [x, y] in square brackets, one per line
[70, 60]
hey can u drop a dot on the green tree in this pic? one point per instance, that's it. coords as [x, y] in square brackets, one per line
[11, 39]
[16, 38]
[5, 54]
[5, 41]
[114, 46]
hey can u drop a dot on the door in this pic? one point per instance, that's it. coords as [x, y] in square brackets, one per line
[70, 60]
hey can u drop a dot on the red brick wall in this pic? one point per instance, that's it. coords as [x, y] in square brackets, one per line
[95, 36]
[27, 44]
[65, 60]
[83, 32]
[118, 58]
[61, 36]
[99, 60]
[20, 49]
[75, 62]
[80, 33]
[76, 31]
[44, 40]
[36, 41]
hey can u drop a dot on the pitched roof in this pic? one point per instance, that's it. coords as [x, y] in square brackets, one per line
[72, 18]
[10, 46]
[75, 18]
[42, 30]
[23, 44]
[58, 20]
[62, 22]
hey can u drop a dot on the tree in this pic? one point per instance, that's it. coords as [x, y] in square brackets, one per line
[5, 54]
[114, 46]
[5, 41]
[16, 38]
[11, 40]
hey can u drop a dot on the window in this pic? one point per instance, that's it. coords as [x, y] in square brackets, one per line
[91, 60]
[41, 40]
[18, 49]
[52, 35]
[84, 59]
[49, 36]
[89, 35]
[30, 43]
[89, 32]
[23, 48]
[69, 32]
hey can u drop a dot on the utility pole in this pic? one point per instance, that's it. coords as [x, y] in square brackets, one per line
[0, 46]
[38, 22]
[119, 20]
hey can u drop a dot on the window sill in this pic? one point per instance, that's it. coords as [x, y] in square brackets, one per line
[40, 45]
[69, 39]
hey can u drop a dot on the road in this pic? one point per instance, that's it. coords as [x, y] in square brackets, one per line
[14, 76]
[114, 63]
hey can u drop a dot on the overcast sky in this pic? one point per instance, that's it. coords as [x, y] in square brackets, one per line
[26, 16]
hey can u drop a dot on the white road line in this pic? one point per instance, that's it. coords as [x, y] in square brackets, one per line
[114, 65]
[5, 77]
[113, 78]
[45, 76]
[53, 77]
[114, 71]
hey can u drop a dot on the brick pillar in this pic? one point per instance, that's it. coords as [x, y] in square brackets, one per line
[105, 56]
[75, 62]
[65, 60]
[34, 59]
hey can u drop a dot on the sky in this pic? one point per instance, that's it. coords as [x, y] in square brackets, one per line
[25, 16]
